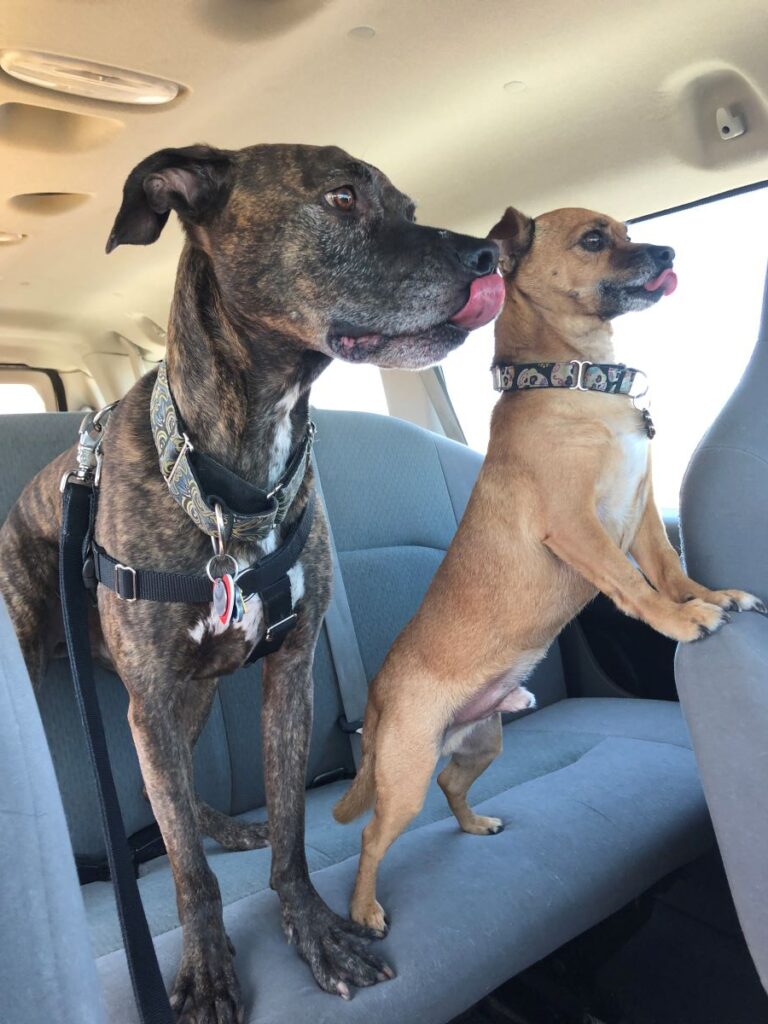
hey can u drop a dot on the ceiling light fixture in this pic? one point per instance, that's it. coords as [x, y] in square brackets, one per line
[514, 86]
[85, 78]
[362, 32]
[10, 238]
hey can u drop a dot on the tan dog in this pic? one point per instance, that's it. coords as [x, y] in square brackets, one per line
[564, 493]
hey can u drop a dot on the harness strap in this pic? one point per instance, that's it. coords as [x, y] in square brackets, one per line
[132, 584]
[148, 988]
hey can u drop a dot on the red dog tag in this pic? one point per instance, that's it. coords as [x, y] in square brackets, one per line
[224, 598]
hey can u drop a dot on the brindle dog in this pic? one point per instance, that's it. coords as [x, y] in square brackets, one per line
[293, 255]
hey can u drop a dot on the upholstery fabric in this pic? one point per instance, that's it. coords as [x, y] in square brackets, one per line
[46, 963]
[722, 682]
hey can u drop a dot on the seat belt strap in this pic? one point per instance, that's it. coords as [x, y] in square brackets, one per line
[345, 650]
[148, 987]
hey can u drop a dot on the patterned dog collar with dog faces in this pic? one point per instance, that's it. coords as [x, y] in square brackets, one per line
[184, 484]
[575, 374]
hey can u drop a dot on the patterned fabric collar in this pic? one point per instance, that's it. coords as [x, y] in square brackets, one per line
[575, 374]
[182, 469]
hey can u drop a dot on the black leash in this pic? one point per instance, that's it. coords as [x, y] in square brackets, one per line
[148, 987]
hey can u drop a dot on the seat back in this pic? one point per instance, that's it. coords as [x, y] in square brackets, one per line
[394, 493]
[42, 909]
[722, 682]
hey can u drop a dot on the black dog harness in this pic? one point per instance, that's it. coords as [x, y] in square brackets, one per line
[220, 504]
[576, 375]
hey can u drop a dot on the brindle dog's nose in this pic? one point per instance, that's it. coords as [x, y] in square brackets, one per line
[479, 257]
[662, 255]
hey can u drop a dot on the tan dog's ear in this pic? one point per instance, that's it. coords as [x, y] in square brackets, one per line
[514, 234]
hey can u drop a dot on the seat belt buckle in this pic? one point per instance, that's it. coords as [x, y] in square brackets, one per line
[345, 725]
[125, 583]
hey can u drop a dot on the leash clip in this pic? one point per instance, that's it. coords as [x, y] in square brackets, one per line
[88, 455]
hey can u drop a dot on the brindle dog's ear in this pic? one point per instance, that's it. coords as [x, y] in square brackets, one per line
[193, 181]
[514, 234]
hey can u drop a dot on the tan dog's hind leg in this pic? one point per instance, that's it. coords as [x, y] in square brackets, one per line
[661, 565]
[406, 755]
[581, 541]
[474, 749]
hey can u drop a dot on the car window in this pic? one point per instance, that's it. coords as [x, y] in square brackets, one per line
[694, 345]
[353, 386]
[20, 398]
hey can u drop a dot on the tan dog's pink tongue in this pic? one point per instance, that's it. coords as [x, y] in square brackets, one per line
[667, 280]
[486, 296]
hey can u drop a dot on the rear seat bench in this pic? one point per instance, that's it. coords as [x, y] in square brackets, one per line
[600, 796]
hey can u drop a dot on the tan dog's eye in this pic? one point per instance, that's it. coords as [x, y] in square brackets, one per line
[342, 198]
[593, 241]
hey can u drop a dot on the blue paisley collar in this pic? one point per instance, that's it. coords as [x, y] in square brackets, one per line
[182, 469]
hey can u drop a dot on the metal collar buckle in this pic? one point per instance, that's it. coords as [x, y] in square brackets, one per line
[125, 583]
[498, 384]
[582, 366]
[187, 446]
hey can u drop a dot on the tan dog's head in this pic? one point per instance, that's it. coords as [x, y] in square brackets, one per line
[578, 262]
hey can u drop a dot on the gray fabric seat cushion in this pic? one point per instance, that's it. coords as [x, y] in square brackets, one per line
[601, 799]
[46, 964]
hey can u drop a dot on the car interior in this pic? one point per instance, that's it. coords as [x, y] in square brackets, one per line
[630, 884]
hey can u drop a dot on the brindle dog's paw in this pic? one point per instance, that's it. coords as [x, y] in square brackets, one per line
[230, 833]
[336, 949]
[243, 835]
[206, 990]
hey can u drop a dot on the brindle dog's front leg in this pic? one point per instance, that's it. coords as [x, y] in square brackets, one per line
[206, 987]
[335, 948]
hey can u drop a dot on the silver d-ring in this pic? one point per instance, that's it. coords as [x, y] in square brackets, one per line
[644, 392]
[218, 558]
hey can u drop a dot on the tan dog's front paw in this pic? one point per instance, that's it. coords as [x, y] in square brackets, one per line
[694, 620]
[737, 601]
[478, 825]
[372, 916]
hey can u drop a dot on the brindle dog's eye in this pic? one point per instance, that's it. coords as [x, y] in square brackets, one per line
[593, 241]
[342, 198]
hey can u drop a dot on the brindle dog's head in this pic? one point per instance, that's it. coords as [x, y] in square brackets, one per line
[578, 262]
[312, 245]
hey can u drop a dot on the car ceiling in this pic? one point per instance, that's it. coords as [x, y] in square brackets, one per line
[616, 112]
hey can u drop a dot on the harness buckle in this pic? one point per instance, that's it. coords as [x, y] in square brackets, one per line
[125, 590]
[282, 625]
[581, 365]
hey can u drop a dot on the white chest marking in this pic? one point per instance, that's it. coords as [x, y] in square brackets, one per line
[251, 624]
[281, 443]
[618, 506]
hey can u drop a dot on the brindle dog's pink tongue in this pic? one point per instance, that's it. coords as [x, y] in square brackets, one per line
[667, 280]
[486, 295]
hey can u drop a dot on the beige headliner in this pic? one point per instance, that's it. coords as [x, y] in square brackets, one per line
[617, 113]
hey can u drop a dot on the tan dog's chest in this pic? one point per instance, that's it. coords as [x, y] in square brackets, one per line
[621, 488]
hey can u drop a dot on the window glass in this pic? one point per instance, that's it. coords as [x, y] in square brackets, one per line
[693, 344]
[353, 386]
[20, 398]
